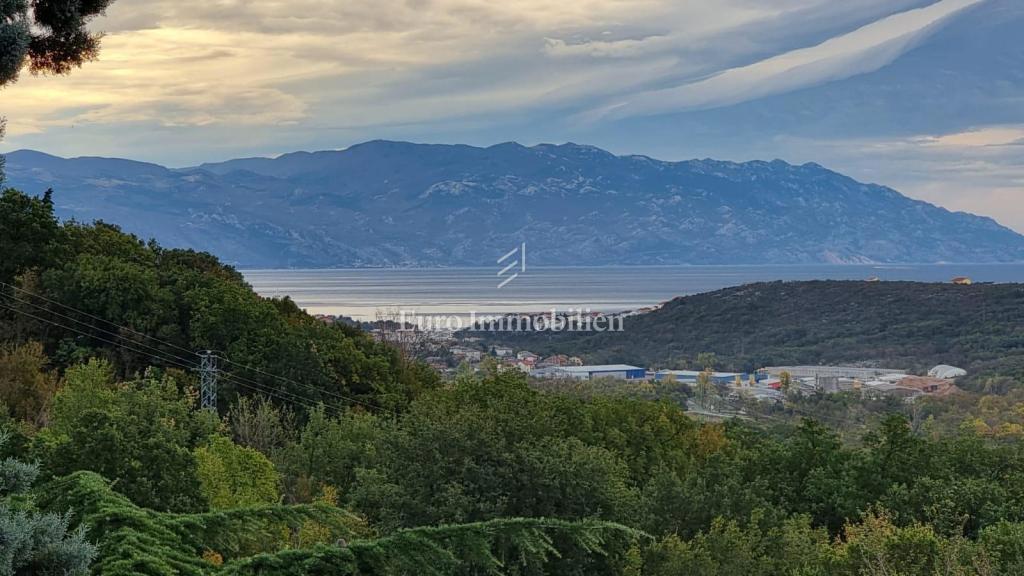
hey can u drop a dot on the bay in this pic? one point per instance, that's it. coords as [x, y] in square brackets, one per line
[365, 293]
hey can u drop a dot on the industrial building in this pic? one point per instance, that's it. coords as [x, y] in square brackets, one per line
[619, 371]
[690, 376]
[832, 372]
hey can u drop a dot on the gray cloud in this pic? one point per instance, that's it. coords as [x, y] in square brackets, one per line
[863, 50]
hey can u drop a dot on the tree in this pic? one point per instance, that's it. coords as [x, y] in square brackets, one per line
[140, 433]
[492, 447]
[32, 542]
[28, 231]
[25, 386]
[758, 547]
[234, 476]
[706, 361]
[329, 452]
[877, 547]
[186, 300]
[49, 35]
[703, 389]
[256, 423]
[785, 382]
[565, 478]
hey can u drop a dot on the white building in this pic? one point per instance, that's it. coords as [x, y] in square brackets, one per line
[832, 372]
[947, 372]
[619, 371]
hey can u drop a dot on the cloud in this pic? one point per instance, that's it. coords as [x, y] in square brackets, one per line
[980, 137]
[863, 50]
[626, 48]
[247, 64]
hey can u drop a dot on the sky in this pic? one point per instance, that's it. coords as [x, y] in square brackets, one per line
[926, 96]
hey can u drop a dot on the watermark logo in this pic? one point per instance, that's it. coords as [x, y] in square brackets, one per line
[521, 263]
[570, 320]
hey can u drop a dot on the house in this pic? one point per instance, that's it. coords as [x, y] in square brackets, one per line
[555, 360]
[524, 354]
[502, 352]
[527, 364]
[963, 281]
[468, 354]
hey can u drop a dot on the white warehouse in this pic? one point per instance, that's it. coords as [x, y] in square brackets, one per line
[619, 371]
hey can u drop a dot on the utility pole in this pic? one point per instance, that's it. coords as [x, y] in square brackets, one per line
[207, 381]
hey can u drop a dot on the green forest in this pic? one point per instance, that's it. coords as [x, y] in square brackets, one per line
[331, 454]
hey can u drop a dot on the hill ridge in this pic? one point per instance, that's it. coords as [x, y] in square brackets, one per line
[392, 203]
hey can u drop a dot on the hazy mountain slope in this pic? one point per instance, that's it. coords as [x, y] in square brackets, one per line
[394, 203]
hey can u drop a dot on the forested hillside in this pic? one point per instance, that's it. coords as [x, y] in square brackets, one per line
[331, 454]
[84, 291]
[893, 324]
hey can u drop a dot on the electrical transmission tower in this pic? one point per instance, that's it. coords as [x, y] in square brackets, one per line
[208, 381]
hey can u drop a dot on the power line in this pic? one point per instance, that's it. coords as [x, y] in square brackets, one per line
[304, 400]
[339, 396]
[306, 403]
[281, 395]
[94, 317]
[91, 327]
[227, 360]
[150, 355]
[310, 386]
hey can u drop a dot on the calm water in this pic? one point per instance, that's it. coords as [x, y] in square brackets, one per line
[361, 293]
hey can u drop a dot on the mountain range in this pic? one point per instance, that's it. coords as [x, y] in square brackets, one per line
[385, 203]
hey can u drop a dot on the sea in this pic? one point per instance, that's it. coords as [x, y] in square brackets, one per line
[371, 293]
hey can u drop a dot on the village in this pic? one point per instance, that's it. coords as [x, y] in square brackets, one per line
[448, 351]
[769, 384]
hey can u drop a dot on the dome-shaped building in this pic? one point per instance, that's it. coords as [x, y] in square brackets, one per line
[946, 372]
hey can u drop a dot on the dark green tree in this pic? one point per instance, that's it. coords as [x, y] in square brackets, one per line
[490, 448]
[50, 36]
[28, 231]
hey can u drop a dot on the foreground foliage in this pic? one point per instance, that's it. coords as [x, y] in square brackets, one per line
[333, 454]
[33, 542]
[132, 540]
